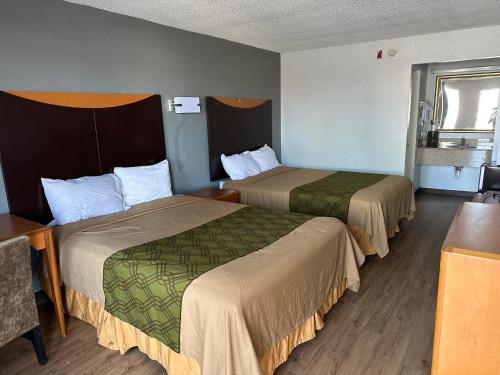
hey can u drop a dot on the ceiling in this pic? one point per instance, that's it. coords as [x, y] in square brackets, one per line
[290, 25]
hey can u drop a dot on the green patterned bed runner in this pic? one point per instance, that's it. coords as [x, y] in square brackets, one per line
[144, 285]
[330, 195]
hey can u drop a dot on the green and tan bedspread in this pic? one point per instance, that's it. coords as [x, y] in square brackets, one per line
[373, 203]
[330, 195]
[220, 283]
[144, 284]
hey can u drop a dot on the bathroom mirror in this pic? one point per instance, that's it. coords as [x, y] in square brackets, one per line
[467, 102]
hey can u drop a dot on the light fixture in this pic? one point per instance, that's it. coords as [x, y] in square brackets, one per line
[184, 104]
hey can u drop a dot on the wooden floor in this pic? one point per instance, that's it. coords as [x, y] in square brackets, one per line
[385, 328]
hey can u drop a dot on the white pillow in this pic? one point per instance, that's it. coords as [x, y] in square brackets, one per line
[239, 166]
[265, 158]
[145, 183]
[84, 197]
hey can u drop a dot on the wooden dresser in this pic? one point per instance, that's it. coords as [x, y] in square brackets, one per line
[467, 331]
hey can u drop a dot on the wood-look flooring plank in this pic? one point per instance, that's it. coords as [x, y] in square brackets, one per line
[385, 328]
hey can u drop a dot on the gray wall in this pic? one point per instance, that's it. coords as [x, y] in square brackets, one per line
[52, 45]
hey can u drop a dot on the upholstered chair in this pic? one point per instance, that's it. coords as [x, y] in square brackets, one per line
[18, 313]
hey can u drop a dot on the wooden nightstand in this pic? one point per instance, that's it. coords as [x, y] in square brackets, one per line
[218, 194]
[41, 238]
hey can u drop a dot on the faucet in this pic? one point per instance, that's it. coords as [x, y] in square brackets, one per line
[463, 144]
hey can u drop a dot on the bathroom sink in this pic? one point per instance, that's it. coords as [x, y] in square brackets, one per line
[458, 146]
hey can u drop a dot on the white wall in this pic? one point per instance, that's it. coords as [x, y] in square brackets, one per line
[343, 109]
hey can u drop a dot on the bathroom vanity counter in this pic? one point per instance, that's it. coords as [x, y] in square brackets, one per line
[465, 157]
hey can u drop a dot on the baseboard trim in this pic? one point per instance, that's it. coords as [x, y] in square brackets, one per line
[456, 193]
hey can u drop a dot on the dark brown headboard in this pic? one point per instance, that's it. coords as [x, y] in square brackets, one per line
[236, 125]
[69, 135]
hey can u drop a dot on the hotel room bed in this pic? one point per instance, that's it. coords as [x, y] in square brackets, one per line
[372, 205]
[233, 290]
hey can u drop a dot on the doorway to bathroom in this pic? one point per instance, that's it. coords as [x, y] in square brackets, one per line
[453, 127]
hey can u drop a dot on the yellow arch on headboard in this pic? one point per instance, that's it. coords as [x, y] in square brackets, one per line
[240, 102]
[80, 99]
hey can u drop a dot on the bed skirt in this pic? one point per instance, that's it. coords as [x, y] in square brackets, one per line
[363, 239]
[116, 334]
